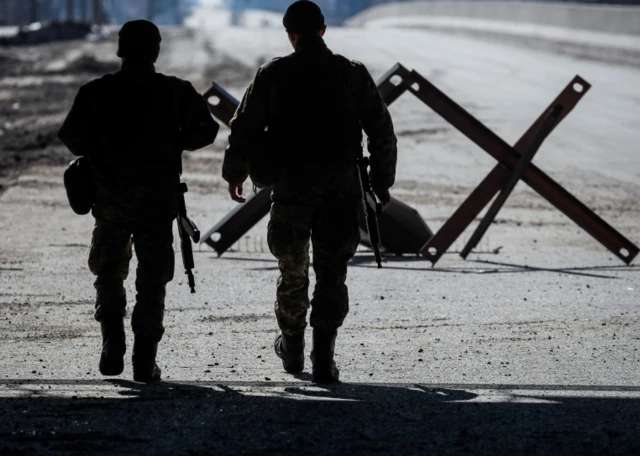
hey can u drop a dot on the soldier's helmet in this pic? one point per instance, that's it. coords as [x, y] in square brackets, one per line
[303, 18]
[139, 40]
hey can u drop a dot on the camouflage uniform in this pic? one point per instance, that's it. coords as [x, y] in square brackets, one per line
[314, 105]
[133, 125]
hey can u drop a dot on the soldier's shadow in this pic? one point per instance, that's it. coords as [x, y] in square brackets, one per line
[299, 417]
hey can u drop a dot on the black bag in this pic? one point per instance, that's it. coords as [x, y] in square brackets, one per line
[80, 186]
[263, 162]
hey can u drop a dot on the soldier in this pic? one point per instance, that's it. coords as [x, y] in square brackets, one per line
[133, 126]
[313, 105]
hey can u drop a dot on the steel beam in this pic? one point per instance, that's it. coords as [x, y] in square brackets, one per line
[513, 179]
[391, 84]
[533, 176]
[221, 103]
[237, 222]
[491, 185]
[234, 225]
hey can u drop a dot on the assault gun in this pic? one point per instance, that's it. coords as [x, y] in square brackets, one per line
[187, 230]
[372, 208]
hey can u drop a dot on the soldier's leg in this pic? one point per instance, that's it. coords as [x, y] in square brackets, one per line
[109, 260]
[335, 237]
[153, 243]
[288, 236]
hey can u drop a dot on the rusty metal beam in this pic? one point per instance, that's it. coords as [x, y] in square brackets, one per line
[390, 84]
[234, 225]
[513, 179]
[491, 185]
[533, 176]
[221, 103]
[237, 222]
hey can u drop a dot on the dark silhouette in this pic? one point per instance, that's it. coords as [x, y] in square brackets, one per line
[53, 417]
[133, 126]
[313, 105]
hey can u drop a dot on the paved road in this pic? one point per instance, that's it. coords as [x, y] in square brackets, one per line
[534, 349]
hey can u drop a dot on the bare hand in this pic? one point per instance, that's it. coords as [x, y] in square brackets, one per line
[235, 191]
[385, 198]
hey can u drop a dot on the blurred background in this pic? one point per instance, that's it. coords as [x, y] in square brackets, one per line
[49, 48]
[23, 12]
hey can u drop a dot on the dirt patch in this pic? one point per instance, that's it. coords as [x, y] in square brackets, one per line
[234, 318]
[35, 100]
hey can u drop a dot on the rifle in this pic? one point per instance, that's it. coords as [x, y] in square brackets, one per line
[372, 208]
[187, 230]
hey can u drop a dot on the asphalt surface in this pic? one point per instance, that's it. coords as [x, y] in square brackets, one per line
[530, 350]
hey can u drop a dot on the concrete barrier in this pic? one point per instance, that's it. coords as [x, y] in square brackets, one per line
[593, 18]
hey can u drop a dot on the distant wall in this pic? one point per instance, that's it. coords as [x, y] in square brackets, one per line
[595, 18]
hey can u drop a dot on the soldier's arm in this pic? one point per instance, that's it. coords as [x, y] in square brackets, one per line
[247, 124]
[76, 131]
[197, 127]
[377, 124]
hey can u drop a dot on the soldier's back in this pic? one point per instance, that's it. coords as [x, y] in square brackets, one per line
[137, 155]
[136, 118]
[313, 120]
[311, 114]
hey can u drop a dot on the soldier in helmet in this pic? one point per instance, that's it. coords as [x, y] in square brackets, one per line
[314, 105]
[133, 126]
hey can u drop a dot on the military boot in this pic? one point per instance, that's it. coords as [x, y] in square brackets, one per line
[324, 367]
[290, 349]
[113, 345]
[145, 368]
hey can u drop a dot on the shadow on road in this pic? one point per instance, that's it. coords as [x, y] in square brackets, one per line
[493, 267]
[475, 266]
[60, 417]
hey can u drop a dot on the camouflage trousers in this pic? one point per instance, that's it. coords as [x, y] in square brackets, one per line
[332, 229]
[111, 252]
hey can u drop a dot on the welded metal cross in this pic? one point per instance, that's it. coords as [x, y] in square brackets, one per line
[399, 80]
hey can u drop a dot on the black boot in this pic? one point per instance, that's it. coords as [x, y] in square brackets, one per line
[290, 349]
[113, 345]
[324, 367]
[145, 368]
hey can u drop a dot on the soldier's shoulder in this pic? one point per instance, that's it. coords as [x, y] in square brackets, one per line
[354, 65]
[97, 84]
[173, 80]
[274, 65]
